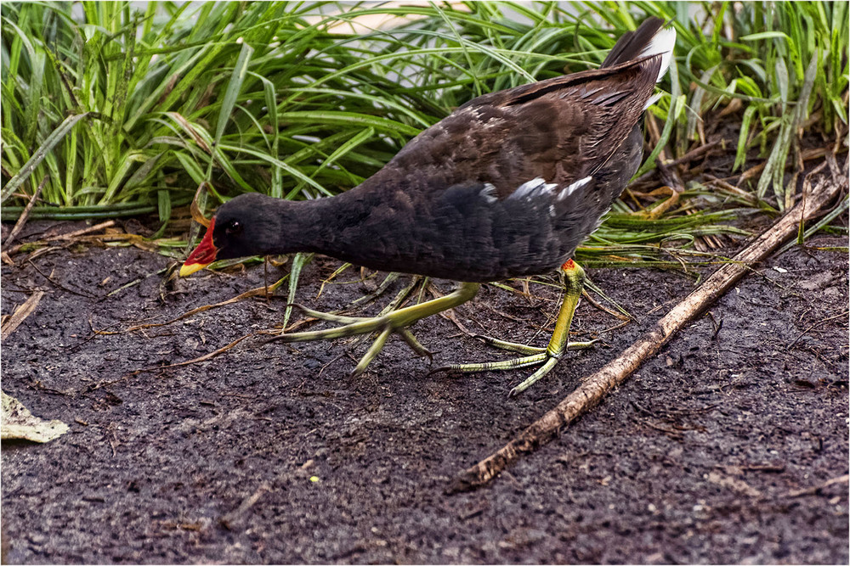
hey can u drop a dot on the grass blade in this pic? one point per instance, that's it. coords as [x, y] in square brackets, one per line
[54, 138]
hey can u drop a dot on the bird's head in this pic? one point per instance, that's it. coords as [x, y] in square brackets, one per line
[246, 226]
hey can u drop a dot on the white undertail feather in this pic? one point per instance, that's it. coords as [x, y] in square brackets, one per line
[663, 43]
[652, 100]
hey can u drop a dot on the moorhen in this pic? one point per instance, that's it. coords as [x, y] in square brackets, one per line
[506, 186]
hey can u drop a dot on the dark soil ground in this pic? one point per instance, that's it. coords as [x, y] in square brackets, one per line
[720, 449]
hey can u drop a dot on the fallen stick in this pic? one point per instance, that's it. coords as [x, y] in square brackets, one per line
[594, 388]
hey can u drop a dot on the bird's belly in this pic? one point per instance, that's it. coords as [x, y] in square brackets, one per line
[463, 255]
[461, 268]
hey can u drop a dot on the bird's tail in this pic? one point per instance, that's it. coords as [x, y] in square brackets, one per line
[651, 38]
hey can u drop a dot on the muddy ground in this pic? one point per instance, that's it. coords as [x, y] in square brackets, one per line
[720, 449]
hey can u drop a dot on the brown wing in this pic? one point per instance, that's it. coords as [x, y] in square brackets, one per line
[560, 130]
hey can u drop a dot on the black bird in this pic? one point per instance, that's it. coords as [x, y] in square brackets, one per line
[507, 185]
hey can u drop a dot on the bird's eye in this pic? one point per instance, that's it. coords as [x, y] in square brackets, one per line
[234, 228]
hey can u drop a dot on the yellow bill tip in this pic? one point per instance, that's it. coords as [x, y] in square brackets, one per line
[190, 268]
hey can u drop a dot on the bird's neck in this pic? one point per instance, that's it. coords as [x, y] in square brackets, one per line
[299, 225]
[314, 225]
[353, 226]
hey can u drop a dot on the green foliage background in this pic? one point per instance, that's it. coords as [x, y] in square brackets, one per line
[129, 111]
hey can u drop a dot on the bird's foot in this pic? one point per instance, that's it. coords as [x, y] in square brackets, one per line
[558, 343]
[356, 325]
[396, 322]
[535, 356]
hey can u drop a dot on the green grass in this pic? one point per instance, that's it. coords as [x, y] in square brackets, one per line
[128, 112]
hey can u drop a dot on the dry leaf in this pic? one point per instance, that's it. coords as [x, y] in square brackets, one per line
[16, 422]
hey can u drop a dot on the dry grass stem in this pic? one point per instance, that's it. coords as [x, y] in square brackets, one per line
[19, 225]
[21, 313]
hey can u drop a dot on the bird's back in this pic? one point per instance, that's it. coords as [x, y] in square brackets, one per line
[511, 182]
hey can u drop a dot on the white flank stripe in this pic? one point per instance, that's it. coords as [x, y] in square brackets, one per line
[489, 193]
[574, 187]
[532, 188]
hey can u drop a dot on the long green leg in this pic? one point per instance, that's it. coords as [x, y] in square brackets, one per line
[396, 321]
[558, 344]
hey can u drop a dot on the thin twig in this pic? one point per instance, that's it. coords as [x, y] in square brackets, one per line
[814, 490]
[594, 388]
[96, 228]
[256, 292]
[693, 154]
[132, 283]
[732, 189]
[602, 307]
[449, 314]
[687, 158]
[203, 358]
[818, 323]
[82, 232]
[60, 285]
[21, 313]
[19, 225]
[806, 155]
[227, 520]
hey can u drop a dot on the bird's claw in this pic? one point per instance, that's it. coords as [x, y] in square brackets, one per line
[396, 321]
[353, 326]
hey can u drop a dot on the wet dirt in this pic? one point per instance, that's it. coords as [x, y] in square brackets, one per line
[726, 447]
